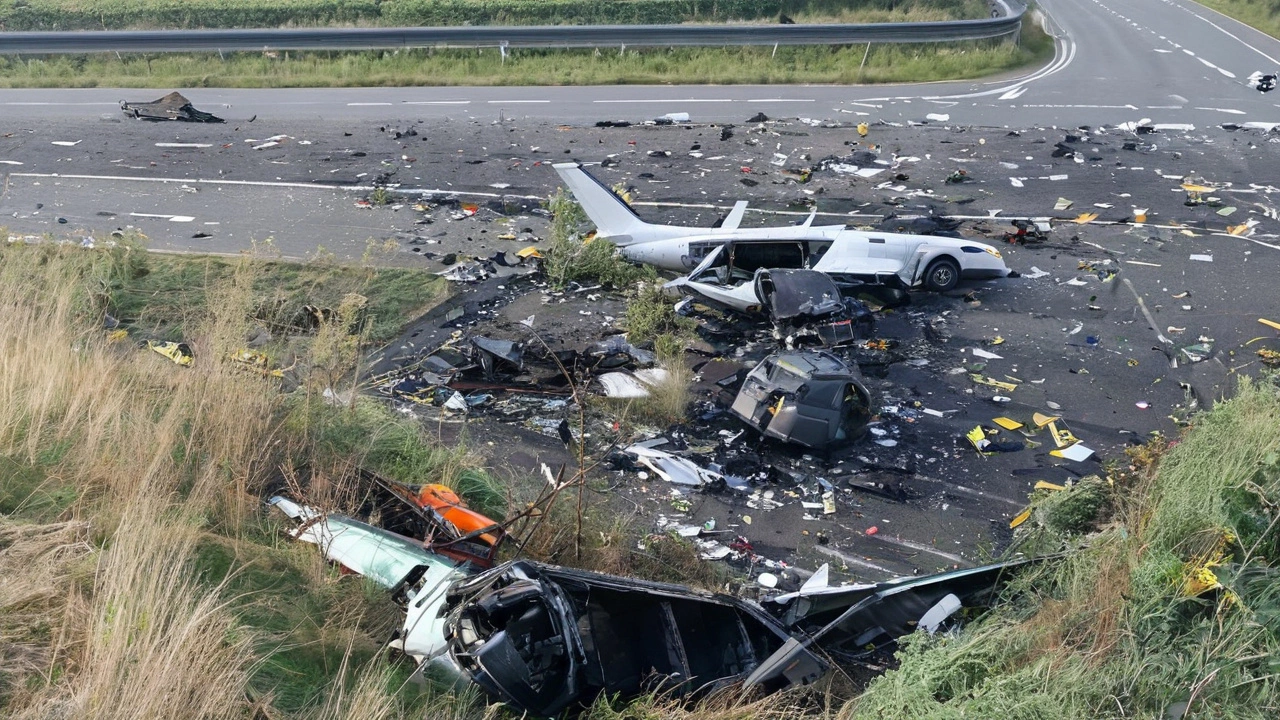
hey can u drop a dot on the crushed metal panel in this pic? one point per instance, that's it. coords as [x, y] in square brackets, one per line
[545, 639]
[380, 555]
[811, 398]
[793, 294]
[174, 106]
[855, 622]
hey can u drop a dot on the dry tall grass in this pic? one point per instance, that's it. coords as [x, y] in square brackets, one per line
[154, 452]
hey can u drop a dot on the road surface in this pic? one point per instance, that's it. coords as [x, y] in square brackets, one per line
[1171, 60]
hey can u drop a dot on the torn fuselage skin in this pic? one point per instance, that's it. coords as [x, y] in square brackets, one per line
[812, 398]
[545, 639]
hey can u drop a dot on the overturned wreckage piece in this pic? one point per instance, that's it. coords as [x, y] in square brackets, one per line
[800, 303]
[545, 639]
[173, 106]
[683, 471]
[811, 398]
[850, 256]
[855, 622]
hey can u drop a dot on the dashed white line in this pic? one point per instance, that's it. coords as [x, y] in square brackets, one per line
[368, 104]
[515, 102]
[437, 102]
[682, 100]
[777, 100]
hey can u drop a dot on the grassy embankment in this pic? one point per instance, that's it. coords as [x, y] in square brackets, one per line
[1169, 607]
[142, 576]
[841, 64]
[1261, 14]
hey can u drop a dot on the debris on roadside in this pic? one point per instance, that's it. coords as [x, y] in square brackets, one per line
[173, 106]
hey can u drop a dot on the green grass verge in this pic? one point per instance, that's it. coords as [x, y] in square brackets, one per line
[159, 293]
[119, 14]
[1170, 608]
[606, 66]
[1261, 14]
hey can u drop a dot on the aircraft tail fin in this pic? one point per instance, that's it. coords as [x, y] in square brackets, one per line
[612, 216]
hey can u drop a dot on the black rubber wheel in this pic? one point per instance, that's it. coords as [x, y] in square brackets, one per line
[942, 275]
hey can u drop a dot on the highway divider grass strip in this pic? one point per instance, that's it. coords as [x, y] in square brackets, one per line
[1261, 14]
[173, 14]
[725, 66]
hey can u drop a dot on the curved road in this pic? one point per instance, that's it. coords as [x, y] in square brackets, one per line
[1173, 61]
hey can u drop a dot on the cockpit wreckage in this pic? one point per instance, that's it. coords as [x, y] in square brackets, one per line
[545, 639]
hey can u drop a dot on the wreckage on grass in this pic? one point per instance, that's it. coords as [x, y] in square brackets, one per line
[414, 575]
[174, 106]
[812, 398]
[434, 514]
[545, 639]
[850, 257]
[856, 622]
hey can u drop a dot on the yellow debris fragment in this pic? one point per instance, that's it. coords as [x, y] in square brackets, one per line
[179, 353]
[1041, 420]
[978, 438]
[1062, 437]
[1020, 518]
[1007, 423]
[528, 252]
[982, 380]
[1085, 217]
[1044, 485]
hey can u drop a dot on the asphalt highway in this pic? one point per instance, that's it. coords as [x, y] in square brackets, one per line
[1171, 60]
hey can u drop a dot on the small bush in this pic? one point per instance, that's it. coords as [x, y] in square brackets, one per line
[651, 315]
[1074, 510]
[570, 259]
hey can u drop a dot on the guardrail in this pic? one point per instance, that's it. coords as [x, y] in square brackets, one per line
[1008, 22]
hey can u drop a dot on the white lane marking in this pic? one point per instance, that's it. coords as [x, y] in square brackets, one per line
[1188, 52]
[437, 102]
[1060, 62]
[1224, 110]
[1226, 32]
[782, 100]
[368, 104]
[1163, 50]
[515, 102]
[852, 560]
[682, 100]
[1086, 107]
[66, 104]
[267, 183]
[1014, 93]
[1164, 107]
[170, 218]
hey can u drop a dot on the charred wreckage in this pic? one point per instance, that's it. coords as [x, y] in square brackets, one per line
[545, 639]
